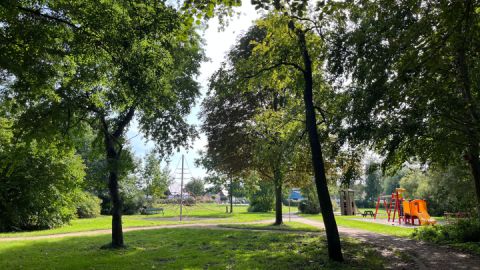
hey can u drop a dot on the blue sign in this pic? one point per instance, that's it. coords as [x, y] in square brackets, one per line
[295, 195]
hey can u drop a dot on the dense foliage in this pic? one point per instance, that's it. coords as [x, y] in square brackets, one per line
[310, 205]
[445, 189]
[413, 86]
[102, 64]
[88, 205]
[196, 187]
[460, 231]
[262, 198]
[155, 179]
[39, 182]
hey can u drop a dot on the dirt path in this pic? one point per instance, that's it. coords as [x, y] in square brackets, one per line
[128, 229]
[424, 256]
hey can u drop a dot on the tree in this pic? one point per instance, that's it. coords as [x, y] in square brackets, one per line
[262, 197]
[392, 180]
[445, 189]
[373, 177]
[266, 136]
[156, 181]
[195, 187]
[90, 147]
[103, 64]
[414, 92]
[297, 45]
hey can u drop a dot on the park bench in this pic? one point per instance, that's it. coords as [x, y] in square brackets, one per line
[153, 211]
[367, 212]
[458, 215]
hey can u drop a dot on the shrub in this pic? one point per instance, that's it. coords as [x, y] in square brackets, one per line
[39, 190]
[186, 201]
[88, 205]
[292, 203]
[311, 205]
[462, 231]
[262, 200]
[133, 203]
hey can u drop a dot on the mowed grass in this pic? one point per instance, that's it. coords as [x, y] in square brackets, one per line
[286, 226]
[200, 213]
[187, 249]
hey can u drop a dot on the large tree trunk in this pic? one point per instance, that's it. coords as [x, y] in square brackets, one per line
[278, 204]
[277, 182]
[463, 45]
[474, 161]
[333, 238]
[113, 161]
[113, 158]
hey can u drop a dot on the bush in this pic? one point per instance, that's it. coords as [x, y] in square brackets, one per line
[462, 231]
[39, 190]
[186, 201]
[133, 203]
[88, 205]
[262, 200]
[311, 205]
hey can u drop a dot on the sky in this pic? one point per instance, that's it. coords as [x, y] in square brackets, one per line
[217, 43]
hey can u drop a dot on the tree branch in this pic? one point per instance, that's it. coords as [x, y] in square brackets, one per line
[124, 122]
[279, 64]
[38, 13]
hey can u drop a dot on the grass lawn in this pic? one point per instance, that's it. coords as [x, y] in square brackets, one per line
[286, 226]
[210, 213]
[350, 222]
[187, 249]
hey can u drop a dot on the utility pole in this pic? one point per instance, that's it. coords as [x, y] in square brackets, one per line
[231, 195]
[181, 192]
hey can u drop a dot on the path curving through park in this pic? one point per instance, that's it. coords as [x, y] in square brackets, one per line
[421, 254]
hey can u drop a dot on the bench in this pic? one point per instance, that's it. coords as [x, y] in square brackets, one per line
[458, 215]
[152, 211]
[367, 212]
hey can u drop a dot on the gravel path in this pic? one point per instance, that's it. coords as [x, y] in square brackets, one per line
[420, 254]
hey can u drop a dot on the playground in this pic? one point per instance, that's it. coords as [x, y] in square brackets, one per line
[394, 209]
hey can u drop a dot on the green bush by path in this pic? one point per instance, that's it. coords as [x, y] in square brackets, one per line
[311, 205]
[464, 233]
[88, 205]
[187, 249]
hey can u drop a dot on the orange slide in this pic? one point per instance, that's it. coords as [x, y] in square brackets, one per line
[417, 209]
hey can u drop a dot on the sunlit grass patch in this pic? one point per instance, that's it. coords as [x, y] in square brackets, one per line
[188, 249]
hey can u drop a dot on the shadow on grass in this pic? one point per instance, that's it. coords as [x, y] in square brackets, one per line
[187, 248]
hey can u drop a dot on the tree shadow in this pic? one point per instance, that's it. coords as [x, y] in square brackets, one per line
[187, 248]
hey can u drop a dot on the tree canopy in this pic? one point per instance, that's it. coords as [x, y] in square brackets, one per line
[104, 64]
[413, 91]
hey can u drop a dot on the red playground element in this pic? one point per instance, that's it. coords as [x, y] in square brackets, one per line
[392, 203]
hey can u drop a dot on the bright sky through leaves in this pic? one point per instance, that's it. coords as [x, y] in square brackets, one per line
[217, 43]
